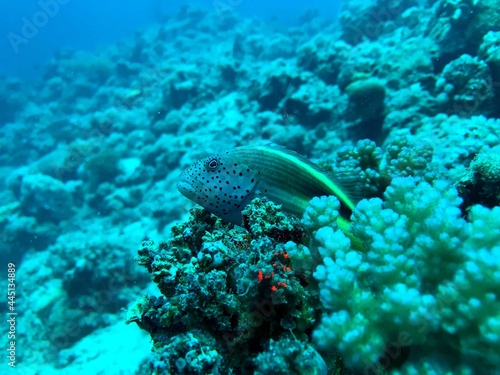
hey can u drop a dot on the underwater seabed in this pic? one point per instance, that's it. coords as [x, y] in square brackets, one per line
[400, 96]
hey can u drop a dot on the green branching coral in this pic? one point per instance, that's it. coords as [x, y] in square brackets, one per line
[481, 183]
[426, 225]
[321, 212]
[373, 167]
[365, 159]
[426, 285]
[404, 159]
[470, 303]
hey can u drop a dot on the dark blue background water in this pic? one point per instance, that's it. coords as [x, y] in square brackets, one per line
[80, 24]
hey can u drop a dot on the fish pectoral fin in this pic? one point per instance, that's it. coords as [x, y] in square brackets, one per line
[350, 182]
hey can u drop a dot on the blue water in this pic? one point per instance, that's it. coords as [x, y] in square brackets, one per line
[88, 25]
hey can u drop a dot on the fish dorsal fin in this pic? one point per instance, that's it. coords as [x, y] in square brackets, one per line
[287, 151]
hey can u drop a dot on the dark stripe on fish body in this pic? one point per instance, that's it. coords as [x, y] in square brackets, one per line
[289, 179]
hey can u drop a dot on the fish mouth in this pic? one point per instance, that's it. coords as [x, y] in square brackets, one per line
[190, 188]
[186, 188]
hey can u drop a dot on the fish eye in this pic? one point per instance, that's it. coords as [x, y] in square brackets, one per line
[212, 163]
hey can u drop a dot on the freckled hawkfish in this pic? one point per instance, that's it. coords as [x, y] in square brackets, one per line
[225, 183]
